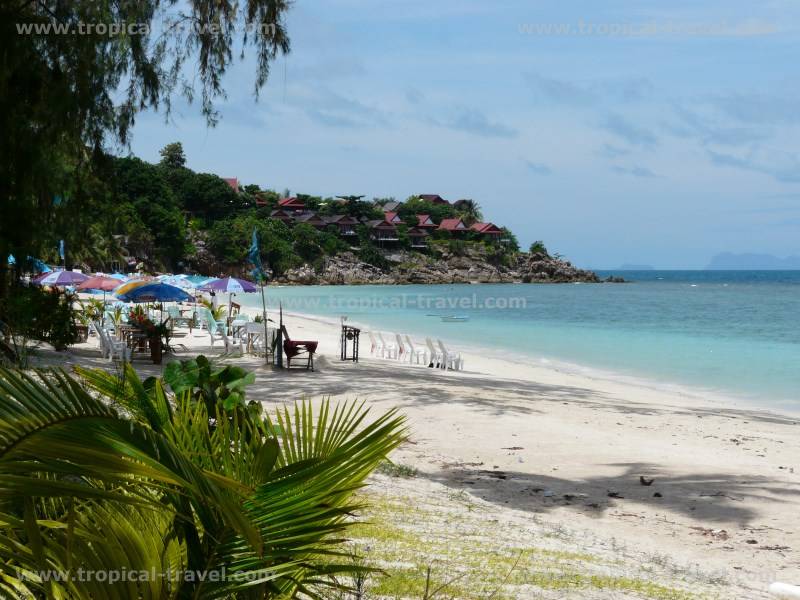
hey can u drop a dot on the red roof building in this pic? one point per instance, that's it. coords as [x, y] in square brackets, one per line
[281, 215]
[455, 225]
[488, 231]
[425, 222]
[419, 237]
[392, 217]
[435, 198]
[311, 218]
[382, 231]
[346, 224]
[233, 182]
[291, 204]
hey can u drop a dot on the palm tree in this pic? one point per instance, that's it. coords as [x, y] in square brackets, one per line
[112, 476]
[468, 210]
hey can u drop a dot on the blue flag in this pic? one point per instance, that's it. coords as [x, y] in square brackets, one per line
[254, 256]
[61, 249]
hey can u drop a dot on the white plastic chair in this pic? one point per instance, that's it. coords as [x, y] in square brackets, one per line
[436, 357]
[388, 350]
[401, 348]
[452, 359]
[375, 347]
[416, 354]
[231, 344]
[109, 347]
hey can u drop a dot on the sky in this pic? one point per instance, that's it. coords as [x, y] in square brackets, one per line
[616, 132]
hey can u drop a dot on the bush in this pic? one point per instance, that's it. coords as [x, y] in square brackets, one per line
[371, 255]
[538, 247]
[33, 313]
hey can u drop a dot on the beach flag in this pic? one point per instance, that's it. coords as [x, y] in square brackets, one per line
[61, 249]
[254, 256]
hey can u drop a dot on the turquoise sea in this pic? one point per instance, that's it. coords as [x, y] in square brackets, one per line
[734, 332]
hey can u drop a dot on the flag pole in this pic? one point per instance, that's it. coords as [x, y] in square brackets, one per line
[279, 348]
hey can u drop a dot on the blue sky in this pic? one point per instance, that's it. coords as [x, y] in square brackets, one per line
[664, 133]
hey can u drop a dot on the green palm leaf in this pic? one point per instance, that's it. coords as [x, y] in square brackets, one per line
[131, 478]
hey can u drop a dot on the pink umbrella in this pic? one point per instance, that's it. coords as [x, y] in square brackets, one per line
[99, 282]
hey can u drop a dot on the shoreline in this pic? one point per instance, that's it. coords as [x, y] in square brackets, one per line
[542, 364]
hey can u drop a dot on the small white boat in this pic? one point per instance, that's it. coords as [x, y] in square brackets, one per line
[454, 318]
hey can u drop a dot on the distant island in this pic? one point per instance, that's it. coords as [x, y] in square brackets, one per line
[731, 262]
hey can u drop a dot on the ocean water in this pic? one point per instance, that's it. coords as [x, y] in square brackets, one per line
[730, 332]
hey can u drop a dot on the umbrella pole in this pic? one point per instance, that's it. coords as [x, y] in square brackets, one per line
[264, 316]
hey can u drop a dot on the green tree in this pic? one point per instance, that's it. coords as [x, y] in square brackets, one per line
[181, 481]
[509, 240]
[64, 97]
[414, 206]
[172, 156]
[306, 242]
[142, 186]
[468, 210]
[538, 247]
[209, 197]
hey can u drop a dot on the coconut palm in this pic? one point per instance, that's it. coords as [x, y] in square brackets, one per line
[468, 210]
[114, 475]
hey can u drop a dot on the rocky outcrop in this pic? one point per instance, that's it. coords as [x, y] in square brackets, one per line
[468, 265]
[541, 268]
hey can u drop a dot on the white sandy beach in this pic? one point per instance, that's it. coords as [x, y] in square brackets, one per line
[535, 446]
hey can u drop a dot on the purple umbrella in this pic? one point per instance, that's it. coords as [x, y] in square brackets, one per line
[230, 285]
[61, 278]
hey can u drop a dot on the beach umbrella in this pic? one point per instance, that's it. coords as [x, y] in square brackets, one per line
[179, 282]
[119, 276]
[35, 263]
[125, 287]
[99, 282]
[230, 285]
[198, 280]
[152, 291]
[60, 278]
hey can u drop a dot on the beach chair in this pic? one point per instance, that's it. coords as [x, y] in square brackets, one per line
[402, 351]
[215, 328]
[416, 354]
[111, 348]
[436, 359]
[452, 359]
[374, 345]
[232, 345]
[388, 350]
[301, 349]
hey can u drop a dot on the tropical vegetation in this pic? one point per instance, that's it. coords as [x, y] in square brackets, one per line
[104, 475]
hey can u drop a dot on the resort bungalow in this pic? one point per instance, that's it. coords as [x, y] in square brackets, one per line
[282, 215]
[392, 217]
[383, 232]
[435, 198]
[489, 231]
[233, 182]
[291, 204]
[419, 238]
[425, 222]
[311, 218]
[455, 226]
[391, 206]
[345, 223]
